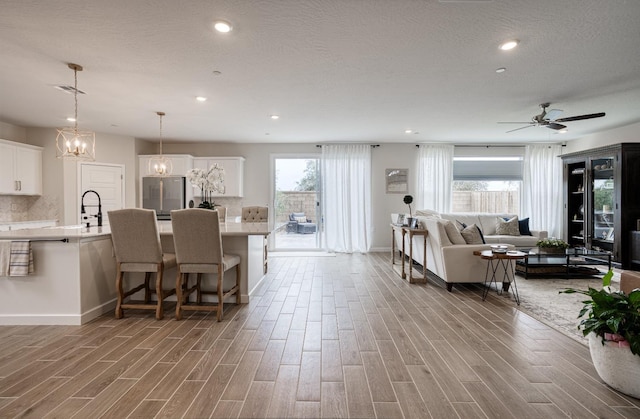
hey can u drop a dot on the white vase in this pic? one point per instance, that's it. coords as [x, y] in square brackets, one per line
[617, 366]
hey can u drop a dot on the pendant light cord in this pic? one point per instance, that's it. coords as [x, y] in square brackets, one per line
[75, 98]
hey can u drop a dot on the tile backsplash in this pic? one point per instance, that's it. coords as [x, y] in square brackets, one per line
[28, 208]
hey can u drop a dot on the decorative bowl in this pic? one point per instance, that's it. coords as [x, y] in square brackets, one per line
[499, 248]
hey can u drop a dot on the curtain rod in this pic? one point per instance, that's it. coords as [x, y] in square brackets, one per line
[482, 146]
[372, 145]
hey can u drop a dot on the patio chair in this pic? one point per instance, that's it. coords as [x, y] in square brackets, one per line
[299, 223]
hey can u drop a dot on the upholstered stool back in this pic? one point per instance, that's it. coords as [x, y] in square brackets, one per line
[255, 214]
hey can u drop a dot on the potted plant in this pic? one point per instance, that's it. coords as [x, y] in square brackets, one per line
[408, 199]
[612, 325]
[552, 245]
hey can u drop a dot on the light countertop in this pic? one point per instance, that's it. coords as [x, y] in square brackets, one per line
[229, 228]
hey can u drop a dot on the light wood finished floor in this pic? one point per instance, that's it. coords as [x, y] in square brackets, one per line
[325, 337]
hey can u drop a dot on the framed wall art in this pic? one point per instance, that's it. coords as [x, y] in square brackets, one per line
[396, 180]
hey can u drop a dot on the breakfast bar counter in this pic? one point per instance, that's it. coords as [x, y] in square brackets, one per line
[74, 277]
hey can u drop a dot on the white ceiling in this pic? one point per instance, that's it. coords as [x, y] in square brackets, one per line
[334, 70]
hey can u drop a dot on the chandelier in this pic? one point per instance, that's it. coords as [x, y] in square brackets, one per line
[160, 165]
[71, 143]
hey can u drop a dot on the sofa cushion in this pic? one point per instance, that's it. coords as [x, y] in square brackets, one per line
[518, 241]
[453, 233]
[472, 235]
[523, 225]
[507, 227]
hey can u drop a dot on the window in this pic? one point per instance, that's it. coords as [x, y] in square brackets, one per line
[487, 183]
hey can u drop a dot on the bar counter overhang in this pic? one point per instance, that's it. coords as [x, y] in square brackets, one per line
[74, 278]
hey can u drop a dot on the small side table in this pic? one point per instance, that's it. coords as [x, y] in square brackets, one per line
[404, 230]
[495, 260]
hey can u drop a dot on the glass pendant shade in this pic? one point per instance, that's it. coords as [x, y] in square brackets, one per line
[160, 165]
[72, 143]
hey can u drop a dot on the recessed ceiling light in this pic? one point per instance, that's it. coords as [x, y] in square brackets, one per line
[71, 119]
[274, 117]
[201, 98]
[501, 70]
[509, 45]
[222, 26]
[408, 131]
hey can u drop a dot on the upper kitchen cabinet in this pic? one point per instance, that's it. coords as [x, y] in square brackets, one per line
[233, 173]
[180, 163]
[20, 169]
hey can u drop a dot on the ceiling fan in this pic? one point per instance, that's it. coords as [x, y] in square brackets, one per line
[550, 119]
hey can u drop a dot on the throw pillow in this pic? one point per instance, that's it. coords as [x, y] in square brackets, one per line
[523, 226]
[453, 233]
[508, 228]
[301, 219]
[481, 235]
[472, 234]
[462, 225]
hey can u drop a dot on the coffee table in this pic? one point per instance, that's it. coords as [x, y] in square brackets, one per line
[571, 263]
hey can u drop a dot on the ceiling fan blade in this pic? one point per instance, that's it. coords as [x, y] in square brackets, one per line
[552, 114]
[517, 129]
[555, 126]
[581, 117]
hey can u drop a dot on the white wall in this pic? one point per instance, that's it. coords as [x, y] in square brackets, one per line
[257, 185]
[60, 178]
[13, 132]
[626, 134]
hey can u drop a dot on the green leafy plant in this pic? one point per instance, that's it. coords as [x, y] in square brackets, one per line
[609, 312]
[552, 243]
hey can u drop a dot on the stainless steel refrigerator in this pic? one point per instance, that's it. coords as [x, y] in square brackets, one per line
[163, 194]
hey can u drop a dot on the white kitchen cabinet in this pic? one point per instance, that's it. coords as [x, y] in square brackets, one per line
[20, 169]
[233, 174]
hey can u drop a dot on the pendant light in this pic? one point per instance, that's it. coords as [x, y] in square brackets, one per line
[71, 143]
[160, 165]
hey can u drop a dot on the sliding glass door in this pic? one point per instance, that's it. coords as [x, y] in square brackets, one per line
[296, 202]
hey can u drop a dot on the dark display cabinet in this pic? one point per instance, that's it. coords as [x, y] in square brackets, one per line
[602, 199]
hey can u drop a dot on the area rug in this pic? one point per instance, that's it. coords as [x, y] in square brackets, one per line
[541, 299]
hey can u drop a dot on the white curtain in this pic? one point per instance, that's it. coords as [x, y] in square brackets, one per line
[542, 184]
[435, 177]
[346, 188]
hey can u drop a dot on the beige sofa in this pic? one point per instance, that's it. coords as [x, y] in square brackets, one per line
[456, 263]
[487, 223]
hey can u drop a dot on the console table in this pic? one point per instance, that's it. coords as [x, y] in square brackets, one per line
[404, 230]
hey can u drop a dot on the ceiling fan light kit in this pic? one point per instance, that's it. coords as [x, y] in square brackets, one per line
[550, 119]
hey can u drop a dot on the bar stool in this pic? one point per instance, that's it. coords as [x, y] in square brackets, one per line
[258, 214]
[198, 245]
[136, 244]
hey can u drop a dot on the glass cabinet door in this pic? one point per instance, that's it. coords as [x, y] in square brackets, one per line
[602, 204]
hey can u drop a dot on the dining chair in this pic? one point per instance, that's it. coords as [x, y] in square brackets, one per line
[257, 214]
[198, 246]
[137, 248]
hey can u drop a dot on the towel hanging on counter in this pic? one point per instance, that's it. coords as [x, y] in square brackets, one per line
[21, 260]
[5, 257]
